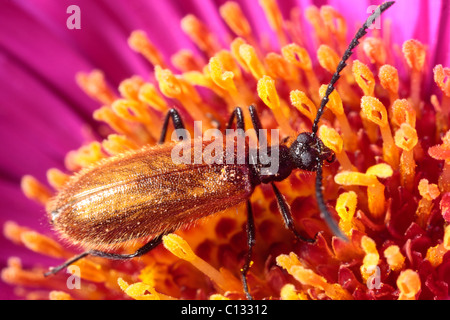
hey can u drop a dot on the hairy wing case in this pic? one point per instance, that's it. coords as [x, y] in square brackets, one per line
[144, 193]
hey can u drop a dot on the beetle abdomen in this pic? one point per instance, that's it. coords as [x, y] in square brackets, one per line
[144, 193]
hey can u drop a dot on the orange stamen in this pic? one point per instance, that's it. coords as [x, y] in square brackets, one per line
[35, 190]
[442, 152]
[375, 50]
[148, 94]
[336, 24]
[364, 78]
[300, 58]
[346, 208]
[200, 34]
[107, 115]
[415, 53]
[275, 19]
[336, 106]
[406, 139]
[279, 68]
[371, 258]
[312, 14]
[231, 12]
[375, 111]
[442, 79]
[116, 144]
[429, 192]
[94, 85]
[303, 104]
[84, 156]
[388, 76]
[185, 60]
[251, 60]
[408, 282]
[56, 178]
[403, 112]
[139, 42]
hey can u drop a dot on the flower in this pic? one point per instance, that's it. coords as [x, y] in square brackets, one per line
[387, 123]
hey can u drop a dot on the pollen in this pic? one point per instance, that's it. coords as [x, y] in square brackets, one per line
[428, 192]
[364, 77]
[333, 140]
[371, 258]
[415, 54]
[406, 139]
[388, 76]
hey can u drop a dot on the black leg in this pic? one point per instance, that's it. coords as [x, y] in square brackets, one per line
[250, 243]
[286, 214]
[115, 256]
[177, 123]
[239, 117]
[256, 122]
[324, 213]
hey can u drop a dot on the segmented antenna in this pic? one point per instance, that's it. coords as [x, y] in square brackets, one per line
[361, 33]
[325, 214]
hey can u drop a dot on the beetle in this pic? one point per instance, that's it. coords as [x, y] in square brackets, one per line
[143, 193]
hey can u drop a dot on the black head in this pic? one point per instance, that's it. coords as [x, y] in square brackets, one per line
[308, 150]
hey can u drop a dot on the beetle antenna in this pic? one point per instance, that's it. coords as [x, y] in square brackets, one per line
[361, 32]
[342, 64]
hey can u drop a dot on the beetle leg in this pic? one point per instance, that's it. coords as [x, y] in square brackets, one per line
[115, 256]
[177, 123]
[287, 216]
[257, 123]
[250, 243]
[239, 116]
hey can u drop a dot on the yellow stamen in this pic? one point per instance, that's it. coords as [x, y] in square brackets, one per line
[415, 53]
[442, 152]
[129, 88]
[13, 232]
[279, 68]
[375, 50]
[200, 34]
[346, 208]
[132, 110]
[303, 104]
[308, 277]
[403, 112]
[139, 42]
[235, 51]
[94, 85]
[141, 291]
[84, 156]
[371, 258]
[429, 192]
[288, 292]
[231, 12]
[408, 282]
[221, 77]
[148, 94]
[59, 295]
[336, 25]
[394, 258]
[178, 88]
[179, 247]
[56, 178]
[251, 60]
[217, 296]
[406, 139]
[116, 144]
[375, 189]
[436, 254]
[388, 76]
[268, 93]
[185, 60]
[364, 78]
[333, 140]
[312, 14]
[41, 244]
[35, 190]
[107, 115]
[442, 79]
[329, 60]
[375, 111]
[299, 57]
[275, 19]
[336, 106]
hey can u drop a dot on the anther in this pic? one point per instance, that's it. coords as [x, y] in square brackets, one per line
[139, 42]
[94, 85]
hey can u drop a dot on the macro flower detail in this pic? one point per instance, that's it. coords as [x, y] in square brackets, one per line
[387, 123]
